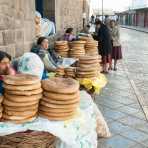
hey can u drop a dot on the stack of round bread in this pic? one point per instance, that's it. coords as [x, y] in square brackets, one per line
[91, 47]
[60, 71]
[1, 108]
[77, 49]
[70, 72]
[60, 100]
[62, 48]
[21, 98]
[88, 66]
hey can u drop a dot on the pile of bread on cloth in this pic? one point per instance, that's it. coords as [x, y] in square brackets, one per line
[25, 97]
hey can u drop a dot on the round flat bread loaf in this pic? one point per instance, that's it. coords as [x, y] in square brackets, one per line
[87, 73]
[57, 96]
[89, 62]
[0, 115]
[14, 104]
[22, 87]
[20, 114]
[62, 102]
[18, 121]
[58, 114]
[61, 43]
[96, 65]
[61, 85]
[45, 115]
[24, 93]
[15, 117]
[22, 109]
[21, 79]
[45, 103]
[23, 99]
[86, 76]
[78, 42]
[85, 58]
[1, 98]
[1, 109]
[87, 69]
[56, 110]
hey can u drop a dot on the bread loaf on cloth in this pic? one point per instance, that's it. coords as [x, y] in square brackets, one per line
[88, 66]
[21, 98]
[60, 98]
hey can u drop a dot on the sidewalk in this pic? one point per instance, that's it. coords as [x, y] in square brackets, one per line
[124, 115]
[141, 29]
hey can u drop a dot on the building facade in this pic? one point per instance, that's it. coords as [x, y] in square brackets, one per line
[17, 27]
[65, 13]
[137, 15]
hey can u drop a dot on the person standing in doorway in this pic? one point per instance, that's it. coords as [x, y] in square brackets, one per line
[115, 36]
[103, 36]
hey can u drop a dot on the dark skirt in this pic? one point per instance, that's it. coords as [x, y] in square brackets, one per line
[117, 53]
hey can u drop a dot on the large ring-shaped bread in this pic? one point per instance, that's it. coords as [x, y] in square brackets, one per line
[57, 96]
[24, 93]
[22, 87]
[61, 85]
[21, 79]
[21, 99]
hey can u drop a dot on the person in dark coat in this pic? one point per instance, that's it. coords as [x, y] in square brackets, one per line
[103, 35]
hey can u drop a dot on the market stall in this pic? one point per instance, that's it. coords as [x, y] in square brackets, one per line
[71, 133]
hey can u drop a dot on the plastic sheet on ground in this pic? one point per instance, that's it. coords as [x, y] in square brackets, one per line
[96, 83]
[79, 132]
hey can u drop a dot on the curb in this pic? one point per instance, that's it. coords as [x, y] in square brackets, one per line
[139, 97]
[134, 29]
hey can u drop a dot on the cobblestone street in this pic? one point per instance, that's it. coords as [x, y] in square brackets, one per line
[124, 101]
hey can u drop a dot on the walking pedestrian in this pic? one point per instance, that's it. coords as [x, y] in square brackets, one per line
[104, 37]
[115, 36]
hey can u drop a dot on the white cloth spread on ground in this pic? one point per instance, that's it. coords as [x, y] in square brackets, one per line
[79, 132]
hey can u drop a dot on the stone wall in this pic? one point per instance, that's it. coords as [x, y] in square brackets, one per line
[69, 13]
[16, 26]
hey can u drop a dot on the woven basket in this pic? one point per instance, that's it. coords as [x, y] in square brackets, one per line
[28, 139]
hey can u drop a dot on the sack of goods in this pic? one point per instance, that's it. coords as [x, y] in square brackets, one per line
[77, 49]
[1, 108]
[70, 72]
[91, 47]
[88, 67]
[21, 98]
[62, 48]
[60, 99]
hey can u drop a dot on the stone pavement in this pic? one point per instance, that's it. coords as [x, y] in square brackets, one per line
[141, 29]
[123, 113]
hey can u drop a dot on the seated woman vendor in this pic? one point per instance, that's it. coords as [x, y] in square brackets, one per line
[5, 67]
[68, 36]
[49, 57]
